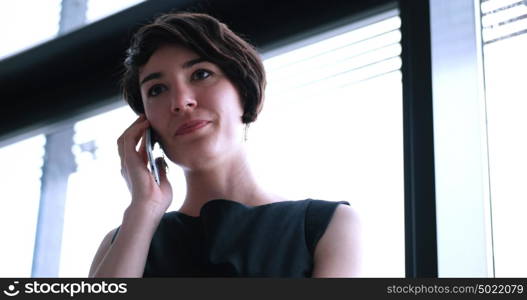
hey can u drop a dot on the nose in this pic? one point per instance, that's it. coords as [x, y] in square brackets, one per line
[183, 100]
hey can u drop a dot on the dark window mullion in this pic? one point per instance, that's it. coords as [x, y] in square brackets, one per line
[420, 213]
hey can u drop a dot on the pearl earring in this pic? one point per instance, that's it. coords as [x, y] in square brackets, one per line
[245, 129]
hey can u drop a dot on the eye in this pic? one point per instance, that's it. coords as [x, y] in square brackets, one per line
[156, 90]
[201, 74]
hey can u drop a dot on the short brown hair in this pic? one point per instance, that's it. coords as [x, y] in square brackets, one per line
[210, 39]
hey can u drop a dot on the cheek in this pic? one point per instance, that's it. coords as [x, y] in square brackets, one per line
[231, 101]
[156, 115]
[153, 109]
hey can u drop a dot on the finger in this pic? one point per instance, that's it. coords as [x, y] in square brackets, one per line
[131, 139]
[163, 168]
[121, 139]
[142, 149]
[121, 146]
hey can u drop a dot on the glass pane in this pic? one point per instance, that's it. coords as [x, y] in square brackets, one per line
[333, 134]
[505, 73]
[27, 23]
[20, 193]
[97, 193]
[334, 121]
[98, 9]
[45, 13]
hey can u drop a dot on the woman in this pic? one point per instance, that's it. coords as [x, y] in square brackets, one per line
[198, 86]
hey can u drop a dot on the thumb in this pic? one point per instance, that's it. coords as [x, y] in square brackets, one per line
[163, 168]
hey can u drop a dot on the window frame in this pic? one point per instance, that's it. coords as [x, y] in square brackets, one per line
[422, 222]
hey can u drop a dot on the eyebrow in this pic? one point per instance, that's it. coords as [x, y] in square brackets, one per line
[185, 65]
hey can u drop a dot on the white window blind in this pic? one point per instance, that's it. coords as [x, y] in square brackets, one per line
[332, 129]
[504, 32]
[502, 19]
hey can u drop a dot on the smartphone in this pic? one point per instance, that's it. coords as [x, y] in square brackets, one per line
[150, 141]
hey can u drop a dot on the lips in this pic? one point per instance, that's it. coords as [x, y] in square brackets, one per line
[191, 126]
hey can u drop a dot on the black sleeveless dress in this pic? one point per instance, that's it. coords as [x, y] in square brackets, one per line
[230, 239]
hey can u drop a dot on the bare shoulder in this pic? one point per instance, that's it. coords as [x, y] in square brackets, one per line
[344, 213]
[344, 224]
[108, 237]
[338, 252]
[107, 240]
[101, 251]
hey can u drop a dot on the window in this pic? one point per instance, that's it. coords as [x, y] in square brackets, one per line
[97, 193]
[98, 9]
[504, 32]
[326, 128]
[15, 13]
[28, 34]
[20, 192]
[478, 69]
[332, 128]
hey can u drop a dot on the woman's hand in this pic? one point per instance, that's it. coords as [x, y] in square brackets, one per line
[146, 193]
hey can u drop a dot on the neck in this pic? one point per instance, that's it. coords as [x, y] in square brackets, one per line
[230, 179]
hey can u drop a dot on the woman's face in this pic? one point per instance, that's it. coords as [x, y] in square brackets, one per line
[178, 87]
